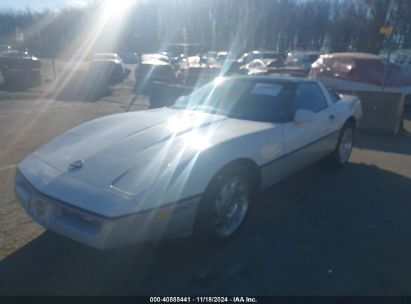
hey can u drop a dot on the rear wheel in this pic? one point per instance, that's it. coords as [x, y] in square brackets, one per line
[344, 146]
[225, 204]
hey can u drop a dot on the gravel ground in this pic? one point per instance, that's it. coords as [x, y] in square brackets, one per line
[320, 232]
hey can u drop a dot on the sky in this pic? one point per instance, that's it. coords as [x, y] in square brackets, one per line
[40, 4]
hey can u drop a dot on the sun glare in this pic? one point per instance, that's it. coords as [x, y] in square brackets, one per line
[115, 7]
[218, 80]
[196, 141]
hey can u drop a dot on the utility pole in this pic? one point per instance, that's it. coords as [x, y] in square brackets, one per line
[387, 31]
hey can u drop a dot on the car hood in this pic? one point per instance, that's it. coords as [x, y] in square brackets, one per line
[130, 151]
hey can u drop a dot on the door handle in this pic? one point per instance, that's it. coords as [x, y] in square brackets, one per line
[331, 117]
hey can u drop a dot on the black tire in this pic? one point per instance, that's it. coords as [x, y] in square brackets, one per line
[204, 226]
[335, 160]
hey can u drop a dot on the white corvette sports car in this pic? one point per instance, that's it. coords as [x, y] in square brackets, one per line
[189, 168]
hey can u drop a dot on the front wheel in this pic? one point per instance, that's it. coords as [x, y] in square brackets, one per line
[224, 205]
[344, 146]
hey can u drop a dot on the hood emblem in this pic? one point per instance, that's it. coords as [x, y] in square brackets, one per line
[78, 164]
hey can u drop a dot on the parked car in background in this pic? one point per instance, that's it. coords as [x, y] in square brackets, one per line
[299, 63]
[262, 66]
[20, 68]
[187, 169]
[155, 56]
[130, 57]
[4, 47]
[248, 57]
[13, 59]
[228, 62]
[211, 54]
[221, 57]
[302, 59]
[154, 70]
[178, 61]
[202, 61]
[106, 56]
[234, 66]
[198, 69]
[360, 71]
[107, 65]
[168, 54]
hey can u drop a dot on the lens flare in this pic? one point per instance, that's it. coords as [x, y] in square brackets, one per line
[115, 7]
[196, 141]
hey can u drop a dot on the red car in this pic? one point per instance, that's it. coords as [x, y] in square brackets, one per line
[357, 71]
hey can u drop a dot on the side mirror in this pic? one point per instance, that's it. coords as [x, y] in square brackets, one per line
[302, 115]
[181, 100]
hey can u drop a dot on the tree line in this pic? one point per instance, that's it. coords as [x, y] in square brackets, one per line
[237, 25]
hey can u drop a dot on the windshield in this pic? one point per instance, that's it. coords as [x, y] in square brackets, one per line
[242, 99]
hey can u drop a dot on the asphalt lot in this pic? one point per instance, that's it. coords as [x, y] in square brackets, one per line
[320, 232]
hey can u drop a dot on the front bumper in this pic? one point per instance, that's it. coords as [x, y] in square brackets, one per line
[171, 220]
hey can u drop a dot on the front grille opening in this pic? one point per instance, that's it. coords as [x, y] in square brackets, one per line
[79, 222]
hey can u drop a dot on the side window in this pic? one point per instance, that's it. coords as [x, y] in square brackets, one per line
[334, 96]
[310, 97]
[253, 65]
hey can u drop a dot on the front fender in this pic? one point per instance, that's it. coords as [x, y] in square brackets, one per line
[192, 176]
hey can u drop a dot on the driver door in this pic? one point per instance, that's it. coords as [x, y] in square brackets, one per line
[308, 141]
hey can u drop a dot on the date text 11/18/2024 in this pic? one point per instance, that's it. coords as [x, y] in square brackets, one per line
[203, 300]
